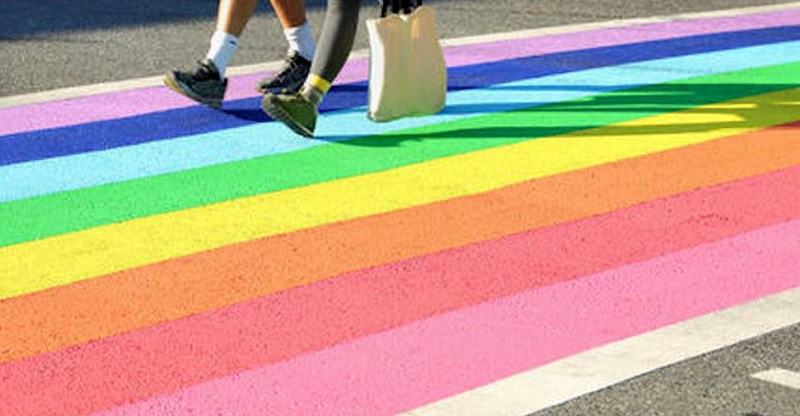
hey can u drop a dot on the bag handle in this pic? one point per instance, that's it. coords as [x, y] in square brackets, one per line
[407, 6]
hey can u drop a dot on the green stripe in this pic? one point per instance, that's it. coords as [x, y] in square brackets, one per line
[49, 215]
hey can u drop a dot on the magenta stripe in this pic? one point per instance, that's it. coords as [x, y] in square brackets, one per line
[428, 360]
[145, 100]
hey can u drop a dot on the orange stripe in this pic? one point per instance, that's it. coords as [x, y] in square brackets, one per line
[136, 298]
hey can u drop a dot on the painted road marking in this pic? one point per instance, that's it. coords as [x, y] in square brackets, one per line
[605, 366]
[439, 356]
[35, 318]
[80, 91]
[780, 376]
[71, 257]
[83, 170]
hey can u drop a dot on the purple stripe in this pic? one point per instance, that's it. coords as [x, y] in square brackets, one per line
[145, 100]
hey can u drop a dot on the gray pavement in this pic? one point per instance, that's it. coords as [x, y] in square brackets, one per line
[718, 383]
[48, 44]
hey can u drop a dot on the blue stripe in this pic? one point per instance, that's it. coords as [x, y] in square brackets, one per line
[97, 168]
[101, 135]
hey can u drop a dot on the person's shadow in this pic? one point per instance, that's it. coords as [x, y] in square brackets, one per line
[703, 108]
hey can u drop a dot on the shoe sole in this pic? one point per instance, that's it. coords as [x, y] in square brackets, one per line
[182, 89]
[276, 111]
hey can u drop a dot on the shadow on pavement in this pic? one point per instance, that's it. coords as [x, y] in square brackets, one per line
[25, 19]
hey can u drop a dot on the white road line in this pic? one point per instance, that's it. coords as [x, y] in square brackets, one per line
[605, 366]
[610, 24]
[780, 376]
[115, 86]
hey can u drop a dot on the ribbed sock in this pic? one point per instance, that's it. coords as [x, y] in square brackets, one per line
[223, 47]
[301, 40]
[315, 88]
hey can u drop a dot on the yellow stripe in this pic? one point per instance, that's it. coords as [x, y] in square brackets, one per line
[319, 83]
[67, 258]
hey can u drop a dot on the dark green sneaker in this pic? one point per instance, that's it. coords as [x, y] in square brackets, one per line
[293, 110]
[202, 84]
[289, 78]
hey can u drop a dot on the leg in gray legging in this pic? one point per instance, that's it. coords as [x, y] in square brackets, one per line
[336, 40]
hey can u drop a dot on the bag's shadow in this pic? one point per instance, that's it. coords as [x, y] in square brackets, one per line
[703, 107]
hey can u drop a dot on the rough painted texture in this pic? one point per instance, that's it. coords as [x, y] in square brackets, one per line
[449, 253]
[459, 350]
[313, 317]
[109, 305]
[221, 141]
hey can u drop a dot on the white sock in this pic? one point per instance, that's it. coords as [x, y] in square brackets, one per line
[223, 46]
[301, 40]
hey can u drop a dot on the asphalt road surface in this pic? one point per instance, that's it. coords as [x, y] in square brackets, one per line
[719, 383]
[50, 44]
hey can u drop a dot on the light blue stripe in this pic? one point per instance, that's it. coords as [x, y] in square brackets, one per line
[47, 176]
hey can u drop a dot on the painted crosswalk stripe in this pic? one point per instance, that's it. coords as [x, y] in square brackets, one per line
[780, 376]
[596, 369]
[90, 169]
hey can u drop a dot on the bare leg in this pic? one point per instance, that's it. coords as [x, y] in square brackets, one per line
[233, 15]
[291, 13]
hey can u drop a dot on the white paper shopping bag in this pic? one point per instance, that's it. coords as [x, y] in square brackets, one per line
[408, 76]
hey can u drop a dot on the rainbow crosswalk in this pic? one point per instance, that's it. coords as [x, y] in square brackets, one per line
[582, 187]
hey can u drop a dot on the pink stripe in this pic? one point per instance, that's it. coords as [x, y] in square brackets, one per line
[167, 357]
[146, 100]
[454, 352]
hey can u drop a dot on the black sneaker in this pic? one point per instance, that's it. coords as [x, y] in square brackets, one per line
[289, 78]
[203, 84]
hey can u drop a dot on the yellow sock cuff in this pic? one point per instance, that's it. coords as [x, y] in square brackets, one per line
[319, 83]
